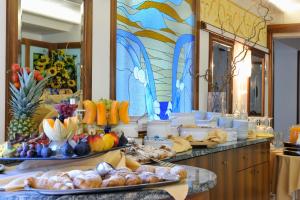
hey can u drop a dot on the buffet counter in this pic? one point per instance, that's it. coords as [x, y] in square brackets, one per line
[199, 181]
[196, 152]
[242, 168]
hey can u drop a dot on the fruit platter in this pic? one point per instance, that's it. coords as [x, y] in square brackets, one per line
[105, 179]
[74, 132]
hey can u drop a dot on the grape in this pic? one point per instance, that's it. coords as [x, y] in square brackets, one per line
[25, 146]
[19, 149]
[31, 147]
[23, 154]
[30, 153]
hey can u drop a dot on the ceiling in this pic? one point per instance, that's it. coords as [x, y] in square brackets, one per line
[38, 18]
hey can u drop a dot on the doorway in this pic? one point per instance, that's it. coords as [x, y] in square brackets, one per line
[286, 83]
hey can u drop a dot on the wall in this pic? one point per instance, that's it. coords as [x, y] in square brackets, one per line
[2, 67]
[101, 49]
[203, 66]
[285, 86]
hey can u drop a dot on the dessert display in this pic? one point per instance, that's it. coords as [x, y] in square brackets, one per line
[144, 153]
[111, 178]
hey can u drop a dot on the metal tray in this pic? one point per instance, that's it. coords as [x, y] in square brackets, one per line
[101, 190]
[289, 144]
[291, 153]
[61, 157]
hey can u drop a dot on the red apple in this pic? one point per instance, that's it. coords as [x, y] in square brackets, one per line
[96, 143]
[78, 137]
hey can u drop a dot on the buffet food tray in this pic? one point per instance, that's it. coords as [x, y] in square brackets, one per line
[61, 157]
[101, 190]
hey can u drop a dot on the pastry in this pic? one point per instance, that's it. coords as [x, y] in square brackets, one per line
[114, 181]
[120, 172]
[148, 177]
[180, 171]
[146, 168]
[160, 171]
[57, 182]
[132, 179]
[87, 180]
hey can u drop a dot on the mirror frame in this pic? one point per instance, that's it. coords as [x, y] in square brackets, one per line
[13, 20]
[260, 54]
[228, 42]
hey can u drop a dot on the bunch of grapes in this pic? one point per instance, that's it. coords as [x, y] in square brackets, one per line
[65, 110]
[33, 150]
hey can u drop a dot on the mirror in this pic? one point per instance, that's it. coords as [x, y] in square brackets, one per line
[256, 86]
[51, 41]
[219, 88]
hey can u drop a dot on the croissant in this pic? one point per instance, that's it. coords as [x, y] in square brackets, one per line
[132, 179]
[57, 182]
[113, 181]
[86, 179]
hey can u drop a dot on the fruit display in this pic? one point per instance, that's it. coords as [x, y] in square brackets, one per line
[58, 131]
[105, 112]
[90, 112]
[26, 89]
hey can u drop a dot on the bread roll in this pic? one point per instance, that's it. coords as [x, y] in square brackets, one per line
[87, 180]
[132, 179]
[180, 171]
[146, 168]
[160, 171]
[148, 177]
[114, 181]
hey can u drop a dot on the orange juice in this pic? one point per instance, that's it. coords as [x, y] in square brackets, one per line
[294, 133]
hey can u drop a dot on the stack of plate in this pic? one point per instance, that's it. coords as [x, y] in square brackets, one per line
[225, 122]
[291, 149]
[242, 129]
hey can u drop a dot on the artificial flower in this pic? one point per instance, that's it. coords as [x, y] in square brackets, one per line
[59, 65]
[71, 83]
[52, 71]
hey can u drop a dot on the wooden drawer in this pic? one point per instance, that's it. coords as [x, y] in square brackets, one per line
[252, 155]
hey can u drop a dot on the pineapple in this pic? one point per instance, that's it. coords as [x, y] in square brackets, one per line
[24, 102]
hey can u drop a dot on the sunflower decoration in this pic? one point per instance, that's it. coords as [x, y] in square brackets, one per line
[71, 83]
[52, 71]
[60, 66]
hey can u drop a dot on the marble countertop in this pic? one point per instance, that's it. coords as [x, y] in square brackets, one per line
[199, 180]
[196, 152]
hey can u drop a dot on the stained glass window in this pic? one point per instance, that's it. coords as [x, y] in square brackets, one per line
[155, 56]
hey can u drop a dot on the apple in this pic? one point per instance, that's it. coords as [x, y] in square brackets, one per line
[78, 137]
[96, 143]
[115, 137]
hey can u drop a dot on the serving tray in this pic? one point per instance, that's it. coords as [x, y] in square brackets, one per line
[291, 153]
[101, 190]
[61, 157]
[293, 145]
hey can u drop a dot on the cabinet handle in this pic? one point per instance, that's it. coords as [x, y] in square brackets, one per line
[225, 163]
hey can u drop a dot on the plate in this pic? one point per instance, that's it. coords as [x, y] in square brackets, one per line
[291, 153]
[101, 190]
[289, 144]
[61, 157]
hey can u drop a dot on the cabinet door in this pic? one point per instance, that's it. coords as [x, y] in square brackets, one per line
[262, 184]
[244, 185]
[201, 162]
[222, 165]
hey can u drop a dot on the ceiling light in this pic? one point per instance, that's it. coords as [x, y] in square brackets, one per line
[286, 5]
[53, 9]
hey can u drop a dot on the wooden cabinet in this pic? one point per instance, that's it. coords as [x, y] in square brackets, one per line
[252, 183]
[222, 165]
[242, 173]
